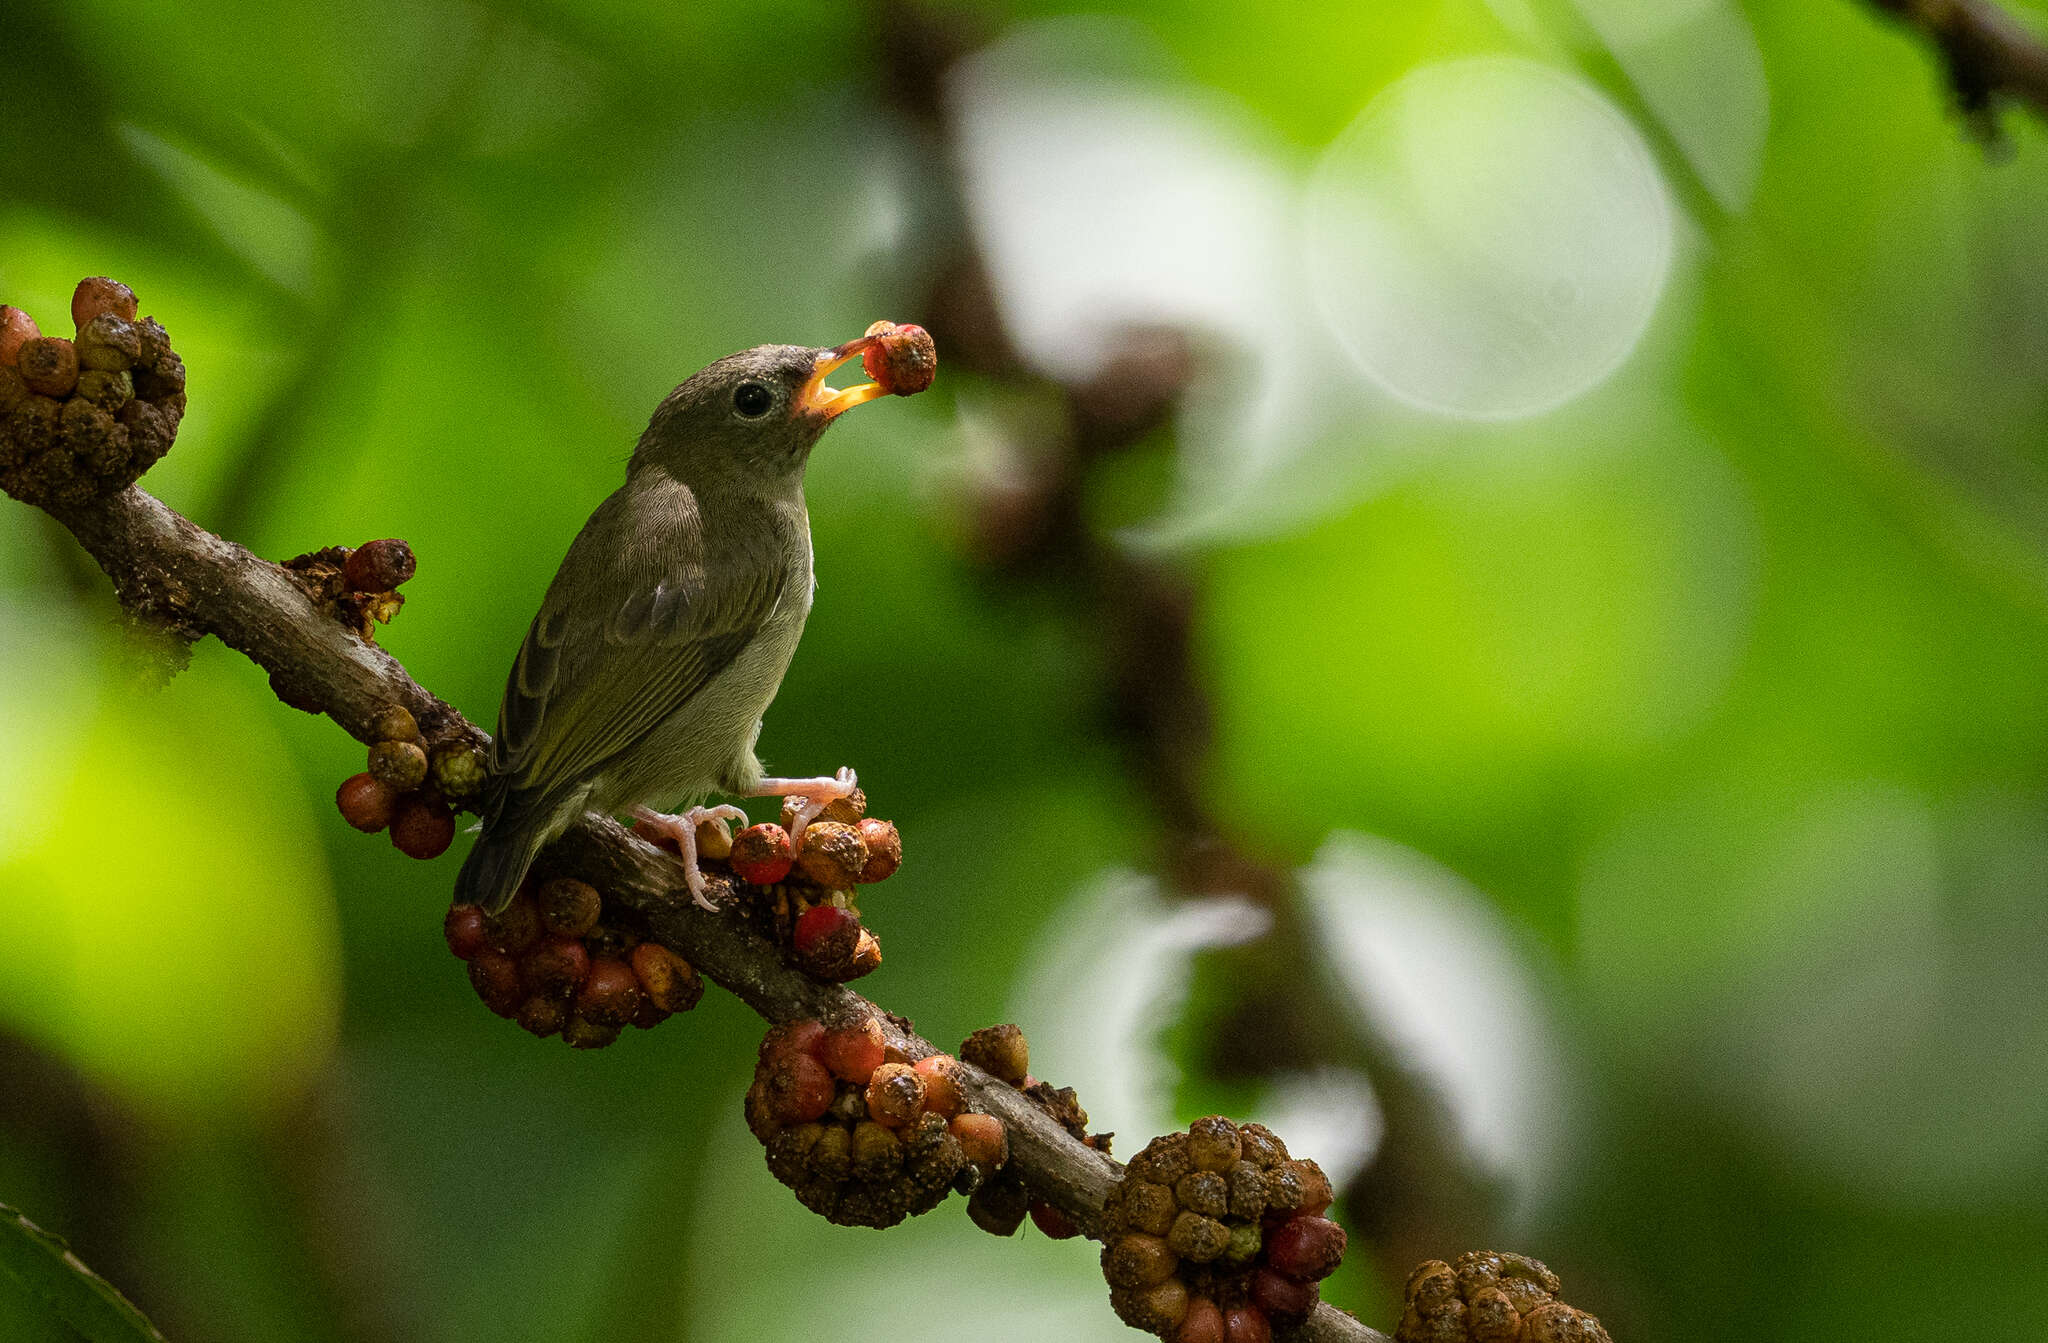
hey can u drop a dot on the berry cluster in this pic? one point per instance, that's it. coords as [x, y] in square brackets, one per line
[904, 361]
[83, 418]
[358, 587]
[802, 894]
[1213, 1234]
[548, 960]
[1000, 1204]
[1490, 1298]
[864, 1138]
[410, 784]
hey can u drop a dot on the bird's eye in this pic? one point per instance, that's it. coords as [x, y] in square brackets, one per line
[752, 400]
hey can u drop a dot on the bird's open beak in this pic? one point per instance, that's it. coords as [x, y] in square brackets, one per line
[827, 402]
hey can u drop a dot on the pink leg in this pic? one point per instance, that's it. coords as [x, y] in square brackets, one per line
[818, 794]
[683, 830]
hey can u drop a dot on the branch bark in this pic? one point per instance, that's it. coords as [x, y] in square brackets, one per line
[1989, 53]
[169, 571]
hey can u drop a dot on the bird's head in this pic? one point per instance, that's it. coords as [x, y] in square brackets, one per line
[753, 416]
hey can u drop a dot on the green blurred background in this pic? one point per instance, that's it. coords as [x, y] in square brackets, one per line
[1613, 491]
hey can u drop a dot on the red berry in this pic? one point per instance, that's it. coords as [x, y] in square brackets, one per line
[792, 1037]
[366, 803]
[514, 928]
[1246, 1324]
[1281, 1296]
[17, 328]
[495, 977]
[941, 1073]
[853, 1052]
[610, 994]
[885, 850]
[48, 364]
[1306, 1248]
[464, 929]
[761, 854]
[904, 359]
[1055, 1224]
[982, 1138]
[1202, 1324]
[818, 924]
[798, 1089]
[422, 829]
[555, 969]
[379, 566]
[97, 294]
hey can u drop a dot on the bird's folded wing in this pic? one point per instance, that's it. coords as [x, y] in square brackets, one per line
[599, 669]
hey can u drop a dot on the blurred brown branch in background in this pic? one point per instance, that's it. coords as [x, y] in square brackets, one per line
[171, 573]
[1420, 1190]
[1989, 54]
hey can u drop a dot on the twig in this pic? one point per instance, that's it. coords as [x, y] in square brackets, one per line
[169, 570]
[1988, 52]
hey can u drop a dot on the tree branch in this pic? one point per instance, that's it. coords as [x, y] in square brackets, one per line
[169, 571]
[1989, 53]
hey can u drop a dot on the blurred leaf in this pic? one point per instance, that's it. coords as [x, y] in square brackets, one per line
[41, 1267]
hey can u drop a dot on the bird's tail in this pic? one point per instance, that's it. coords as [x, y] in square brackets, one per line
[502, 853]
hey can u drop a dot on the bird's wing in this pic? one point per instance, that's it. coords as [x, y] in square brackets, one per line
[633, 626]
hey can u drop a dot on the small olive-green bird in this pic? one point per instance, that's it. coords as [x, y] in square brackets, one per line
[669, 626]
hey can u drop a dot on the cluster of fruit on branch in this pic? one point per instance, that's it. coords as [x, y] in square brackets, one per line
[411, 785]
[86, 415]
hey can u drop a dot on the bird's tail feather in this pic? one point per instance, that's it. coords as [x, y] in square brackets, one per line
[498, 861]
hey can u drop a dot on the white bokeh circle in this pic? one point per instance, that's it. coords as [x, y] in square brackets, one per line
[1489, 238]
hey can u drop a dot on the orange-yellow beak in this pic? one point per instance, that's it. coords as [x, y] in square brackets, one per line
[827, 402]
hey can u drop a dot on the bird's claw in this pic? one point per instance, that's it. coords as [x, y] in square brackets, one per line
[817, 794]
[682, 829]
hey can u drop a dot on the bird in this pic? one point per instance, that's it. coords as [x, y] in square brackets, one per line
[667, 630]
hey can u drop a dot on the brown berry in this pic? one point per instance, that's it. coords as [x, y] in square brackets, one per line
[1149, 1207]
[96, 295]
[904, 359]
[1306, 1248]
[543, 1015]
[569, 907]
[582, 1033]
[832, 854]
[895, 1094]
[401, 764]
[515, 927]
[49, 365]
[1197, 1237]
[1000, 1051]
[464, 930]
[1280, 1296]
[998, 1206]
[108, 391]
[1213, 1143]
[1259, 1145]
[1202, 1324]
[885, 850]
[714, 840]
[867, 955]
[1246, 1324]
[1158, 1309]
[941, 1073]
[650, 1014]
[1138, 1260]
[421, 828]
[853, 1052]
[668, 981]
[877, 1151]
[108, 343]
[555, 969]
[379, 566]
[1556, 1322]
[17, 328]
[1055, 1224]
[798, 1089]
[366, 802]
[982, 1138]
[495, 977]
[1203, 1191]
[610, 994]
[761, 854]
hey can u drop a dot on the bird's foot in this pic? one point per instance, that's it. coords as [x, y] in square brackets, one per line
[818, 794]
[682, 830]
